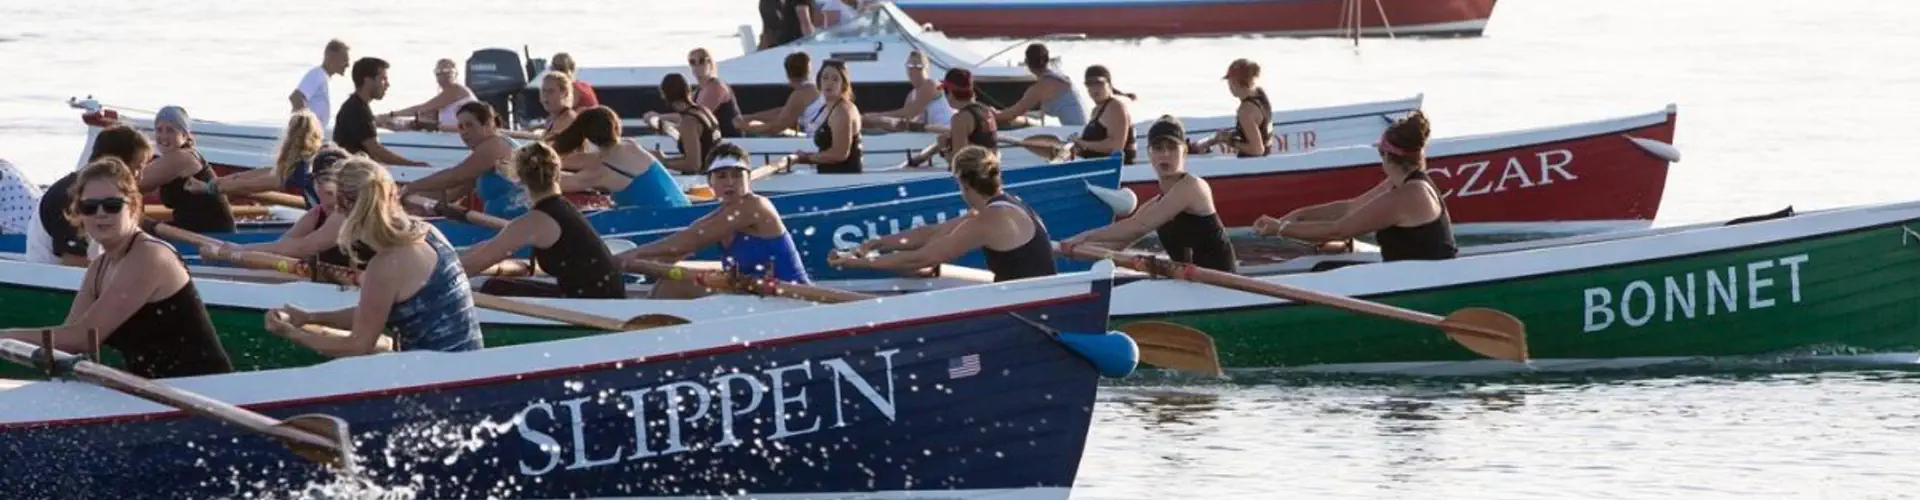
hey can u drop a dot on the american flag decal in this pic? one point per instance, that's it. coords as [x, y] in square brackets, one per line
[964, 366]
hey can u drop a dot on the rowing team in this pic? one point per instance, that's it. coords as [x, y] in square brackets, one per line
[414, 293]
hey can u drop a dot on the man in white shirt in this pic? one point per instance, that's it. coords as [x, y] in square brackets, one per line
[312, 92]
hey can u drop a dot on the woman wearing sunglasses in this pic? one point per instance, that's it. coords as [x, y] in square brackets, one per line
[138, 294]
[413, 287]
[926, 105]
[444, 104]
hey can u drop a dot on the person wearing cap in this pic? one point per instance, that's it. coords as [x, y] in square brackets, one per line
[838, 136]
[1052, 93]
[317, 232]
[1000, 225]
[1110, 114]
[1182, 215]
[564, 243]
[752, 238]
[302, 138]
[1252, 133]
[925, 105]
[972, 123]
[313, 94]
[178, 162]
[803, 103]
[1405, 212]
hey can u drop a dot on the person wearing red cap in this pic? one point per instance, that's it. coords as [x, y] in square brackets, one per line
[1404, 211]
[1253, 129]
[924, 104]
[1183, 215]
[973, 123]
[1098, 139]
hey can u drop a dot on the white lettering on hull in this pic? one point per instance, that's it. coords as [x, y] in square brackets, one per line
[1480, 179]
[850, 236]
[1639, 303]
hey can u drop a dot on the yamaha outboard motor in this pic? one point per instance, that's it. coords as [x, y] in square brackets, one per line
[496, 77]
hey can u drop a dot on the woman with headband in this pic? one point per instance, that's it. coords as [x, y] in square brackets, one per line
[745, 225]
[1405, 211]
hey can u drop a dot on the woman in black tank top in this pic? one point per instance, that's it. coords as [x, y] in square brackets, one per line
[1097, 139]
[1411, 220]
[838, 137]
[564, 244]
[1182, 215]
[1252, 132]
[699, 130]
[1002, 227]
[973, 123]
[197, 212]
[168, 332]
[727, 108]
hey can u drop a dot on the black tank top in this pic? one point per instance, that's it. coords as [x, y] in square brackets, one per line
[984, 128]
[333, 255]
[823, 139]
[1034, 258]
[726, 114]
[578, 260]
[172, 337]
[709, 133]
[1259, 99]
[1199, 240]
[1096, 131]
[1430, 241]
[200, 213]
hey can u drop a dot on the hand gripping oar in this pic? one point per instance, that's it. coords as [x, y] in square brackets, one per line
[349, 277]
[1489, 332]
[317, 437]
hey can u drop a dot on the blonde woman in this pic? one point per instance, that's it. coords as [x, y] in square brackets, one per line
[557, 96]
[442, 105]
[413, 286]
[1002, 226]
[564, 243]
[291, 165]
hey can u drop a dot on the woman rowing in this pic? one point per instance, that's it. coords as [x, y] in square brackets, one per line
[745, 225]
[699, 129]
[1183, 215]
[838, 137]
[1011, 235]
[714, 94]
[317, 233]
[1051, 92]
[557, 98]
[487, 148]
[1252, 131]
[413, 287]
[438, 112]
[1404, 211]
[925, 104]
[138, 295]
[614, 164]
[53, 238]
[302, 138]
[564, 243]
[801, 111]
[972, 123]
[1110, 114]
[179, 162]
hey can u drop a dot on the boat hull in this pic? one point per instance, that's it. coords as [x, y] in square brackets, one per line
[1166, 18]
[1829, 284]
[959, 401]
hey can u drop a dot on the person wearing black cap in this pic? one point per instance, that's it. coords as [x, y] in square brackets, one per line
[1110, 113]
[1252, 133]
[745, 225]
[564, 244]
[1404, 211]
[1183, 215]
[1000, 225]
[1052, 93]
[316, 234]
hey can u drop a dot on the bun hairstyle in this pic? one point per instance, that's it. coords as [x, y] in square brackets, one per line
[124, 143]
[979, 169]
[537, 167]
[373, 217]
[109, 168]
[1405, 141]
[302, 139]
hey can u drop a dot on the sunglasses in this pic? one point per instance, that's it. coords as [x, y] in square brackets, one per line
[916, 66]
[698, 61]
[112, 205]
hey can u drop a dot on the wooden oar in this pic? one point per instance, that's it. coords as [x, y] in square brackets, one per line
[158, 212]
[736, 283]
[1175, 347]
[350, 277]
[317, 437]
[279, 198]
[1046, 146]
[1490, 332]
[458, 213]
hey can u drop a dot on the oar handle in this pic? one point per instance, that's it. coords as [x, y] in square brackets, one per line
[457, 212]
[733, 282]
[279, 198]
[1163, 267]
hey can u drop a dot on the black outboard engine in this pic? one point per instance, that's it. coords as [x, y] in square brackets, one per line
[496, 77]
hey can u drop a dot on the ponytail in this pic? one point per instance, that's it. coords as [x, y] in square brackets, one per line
[373, 218]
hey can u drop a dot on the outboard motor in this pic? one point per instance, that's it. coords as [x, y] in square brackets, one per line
[496, 77]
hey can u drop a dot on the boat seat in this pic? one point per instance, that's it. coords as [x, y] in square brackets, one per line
[7, 383]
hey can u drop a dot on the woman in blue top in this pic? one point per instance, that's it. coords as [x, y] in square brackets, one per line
[413, 287]
[746, 226]
[480, 130]
[610, 163]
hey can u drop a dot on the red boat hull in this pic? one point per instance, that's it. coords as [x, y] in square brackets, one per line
[1132, 19]
[1603, 178]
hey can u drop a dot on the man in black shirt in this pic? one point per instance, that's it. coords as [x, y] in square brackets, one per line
[784, 21]
[354, 129]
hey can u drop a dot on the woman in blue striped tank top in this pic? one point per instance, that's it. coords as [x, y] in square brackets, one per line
[745, 225]
[413, 287]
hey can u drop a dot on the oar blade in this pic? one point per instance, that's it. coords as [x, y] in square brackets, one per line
[650, 320]
[1175, 347]
[327, 428]
[1489, 332]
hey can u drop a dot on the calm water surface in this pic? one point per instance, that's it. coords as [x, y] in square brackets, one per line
[1781, 103]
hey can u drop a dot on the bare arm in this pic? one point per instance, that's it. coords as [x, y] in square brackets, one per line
[1337, 209]
[304, 239]
[916, 237]
[380, 153]
[788, 117]
[140, 276]
[846, 123]
[1379, 213]
[1031, 99]
[914, 107]
[298, 100]
[484, 157]
[1249, 120]
[368, 334]
[1157, 212]
[707, 231]
[1115, 120]
[689, 161]
[440, 100]
[258, 180]
[170, 166]
[969, 234]
[518, 234]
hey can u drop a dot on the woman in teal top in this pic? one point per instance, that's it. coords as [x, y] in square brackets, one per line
[610, 163]
[745, 225]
